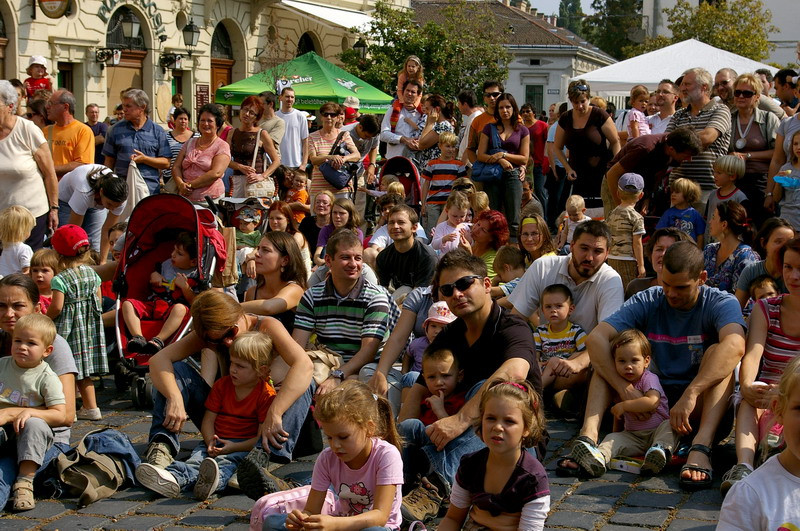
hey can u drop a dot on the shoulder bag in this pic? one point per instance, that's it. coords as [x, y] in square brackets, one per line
[486, 172]
[338, 178]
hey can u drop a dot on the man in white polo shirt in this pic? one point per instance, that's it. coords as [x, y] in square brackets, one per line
[294, 147]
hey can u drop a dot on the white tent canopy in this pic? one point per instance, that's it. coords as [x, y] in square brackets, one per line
[670, 63]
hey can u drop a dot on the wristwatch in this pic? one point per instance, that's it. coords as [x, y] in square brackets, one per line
[768, 194]
[339, 375]
[54, 207]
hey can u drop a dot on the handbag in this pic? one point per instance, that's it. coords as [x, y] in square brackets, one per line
[338, 178]
[325, 360]
[484, 171]
[264, 188]
[284, 502]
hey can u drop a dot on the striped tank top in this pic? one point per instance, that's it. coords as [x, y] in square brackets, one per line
[779, 348]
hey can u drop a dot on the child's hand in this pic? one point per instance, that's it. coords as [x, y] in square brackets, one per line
[640, 271]
[450, 237]
[181, 281]
[156, 278]
[296, 519]
[21, 418]
[617, 410]
[220, 446]
[437, 404]
[319, 521]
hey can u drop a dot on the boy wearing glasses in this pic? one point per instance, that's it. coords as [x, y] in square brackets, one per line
[174, 285]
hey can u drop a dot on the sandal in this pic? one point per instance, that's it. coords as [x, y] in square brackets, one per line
[23, 495]
[688, 483]
[586, 454]
[136, 344]
[153, 346]
[564, 471]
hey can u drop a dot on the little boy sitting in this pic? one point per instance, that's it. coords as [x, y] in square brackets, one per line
[558, 339]
[31, 401]
[509, 266]
[173, 285]
[235, 408]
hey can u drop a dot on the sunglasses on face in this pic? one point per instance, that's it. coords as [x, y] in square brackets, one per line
[744, 93]
[330, 114]
[492, 94]
[230, 333]
[462, 285]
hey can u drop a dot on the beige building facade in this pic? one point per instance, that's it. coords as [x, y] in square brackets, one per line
[89, 54]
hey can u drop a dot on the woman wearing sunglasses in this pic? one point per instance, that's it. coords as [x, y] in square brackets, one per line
[753, 140]
[320, 143]
[591, 137]
[181, 391]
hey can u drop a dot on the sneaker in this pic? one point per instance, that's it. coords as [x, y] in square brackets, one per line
[158, 480]
[655, 460]
[207, 479]
[89, 414]
[158, 455]
[254, 478]
[589, 457]
[422, 503]
[736, 473]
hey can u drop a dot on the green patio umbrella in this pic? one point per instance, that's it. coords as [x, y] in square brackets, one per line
[314, 80]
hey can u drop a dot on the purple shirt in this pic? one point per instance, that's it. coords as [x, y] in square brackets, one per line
[513, 142]
[415, 350]
[647, 382]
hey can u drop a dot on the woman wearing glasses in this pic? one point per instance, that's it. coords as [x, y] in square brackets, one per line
[248, 170]
[753, 140]
[591, 137]
[320, 143]
[181, 391]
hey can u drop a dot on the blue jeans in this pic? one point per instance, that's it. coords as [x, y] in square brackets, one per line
[505, 195]
[9, 468]
[418, 446]
[92, 221]
[186, 472]
[540, 190]
[194, 391]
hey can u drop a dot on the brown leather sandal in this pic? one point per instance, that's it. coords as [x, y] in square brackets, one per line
[23, 495]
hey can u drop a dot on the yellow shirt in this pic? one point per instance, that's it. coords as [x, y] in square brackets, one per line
[71, 143]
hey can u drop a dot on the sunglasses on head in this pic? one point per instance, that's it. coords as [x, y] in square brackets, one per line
[462, 285]
[330, 114]
[582, 88]
[460, 187]
[230, 333]
[745, 93]
[492, 94]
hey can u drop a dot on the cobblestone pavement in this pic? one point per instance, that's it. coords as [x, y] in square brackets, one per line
[617, 501]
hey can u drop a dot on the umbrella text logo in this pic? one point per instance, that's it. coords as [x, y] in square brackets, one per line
[349, 85]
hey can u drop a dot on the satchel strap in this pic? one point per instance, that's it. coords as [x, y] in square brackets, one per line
[336, 143]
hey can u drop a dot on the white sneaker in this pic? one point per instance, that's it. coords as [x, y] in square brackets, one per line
[158, 480]
[207, 479]
[89, 414]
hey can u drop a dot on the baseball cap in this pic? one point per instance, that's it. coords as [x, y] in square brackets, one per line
[352, 102]
[37, 60]
[631, 182]
[439, 312]
[350, 114]
[68, 240]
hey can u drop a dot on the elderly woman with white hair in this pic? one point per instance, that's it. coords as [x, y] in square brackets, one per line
[27, 174]
[137, 138]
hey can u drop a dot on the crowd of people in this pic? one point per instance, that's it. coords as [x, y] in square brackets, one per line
[628, 261]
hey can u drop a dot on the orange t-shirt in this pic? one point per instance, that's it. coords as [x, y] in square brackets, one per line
[299, 196]
[477, 125]
[238, 419]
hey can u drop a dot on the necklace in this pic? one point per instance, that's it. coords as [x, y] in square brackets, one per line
[741, 143]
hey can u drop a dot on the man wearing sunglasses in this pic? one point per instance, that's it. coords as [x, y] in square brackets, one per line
[491, 91]
[489, 343]
[350, 316]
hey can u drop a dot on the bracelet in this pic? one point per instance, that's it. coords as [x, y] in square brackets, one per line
[54, 207]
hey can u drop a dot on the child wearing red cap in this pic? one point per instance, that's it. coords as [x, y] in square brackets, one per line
[76, 310]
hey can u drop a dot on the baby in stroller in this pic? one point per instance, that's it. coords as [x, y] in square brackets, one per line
[174, 285]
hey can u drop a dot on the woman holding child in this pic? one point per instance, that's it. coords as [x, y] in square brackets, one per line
[181, 391]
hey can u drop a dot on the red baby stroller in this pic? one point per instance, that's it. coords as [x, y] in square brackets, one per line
[152, 229]
[406, 172]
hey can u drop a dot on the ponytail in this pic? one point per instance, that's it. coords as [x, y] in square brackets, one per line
[388, 429]
[113, 187]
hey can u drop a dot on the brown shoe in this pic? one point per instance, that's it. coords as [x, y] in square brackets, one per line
[422, 503]
[158, 455]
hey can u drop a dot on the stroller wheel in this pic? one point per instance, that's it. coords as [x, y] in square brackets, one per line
[122, 377]
[138, 392]
[147, 399]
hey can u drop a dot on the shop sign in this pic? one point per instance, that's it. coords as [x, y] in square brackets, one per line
[147, 6]
[202, 95]
[54, 8]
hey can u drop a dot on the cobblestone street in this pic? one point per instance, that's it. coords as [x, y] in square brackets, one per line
[617, 501]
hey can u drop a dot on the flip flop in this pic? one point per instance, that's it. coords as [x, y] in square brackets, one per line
[688, 483]
[563, 471]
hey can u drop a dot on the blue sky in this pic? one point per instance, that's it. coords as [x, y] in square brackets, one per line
[549, 7]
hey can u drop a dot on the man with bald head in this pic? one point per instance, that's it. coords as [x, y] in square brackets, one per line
[71, 141]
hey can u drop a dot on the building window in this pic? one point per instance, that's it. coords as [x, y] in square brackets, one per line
[306, 44]
[534, 94]
[221, 47]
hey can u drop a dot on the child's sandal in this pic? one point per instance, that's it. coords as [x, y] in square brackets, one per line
[23, 495]
[153, 346]
[136, 344]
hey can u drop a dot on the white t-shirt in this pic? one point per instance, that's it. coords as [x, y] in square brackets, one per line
[20, 178]
[463, 133]
[15, 258]
[74, 189]
[382, 239]
[595, 298]
[295, 132]
[769, 498]
[658, 125]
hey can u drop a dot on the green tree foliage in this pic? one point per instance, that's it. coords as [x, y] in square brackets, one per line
[570, 16]
[740, 26]
[460, 52]
[612, 23]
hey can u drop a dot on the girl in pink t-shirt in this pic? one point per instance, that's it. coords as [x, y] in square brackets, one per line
[362, 463]
[636, 120]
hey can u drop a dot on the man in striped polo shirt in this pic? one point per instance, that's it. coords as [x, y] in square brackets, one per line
[349, 315]
[711, 121]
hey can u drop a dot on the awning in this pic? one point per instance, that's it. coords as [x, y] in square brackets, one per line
[344, 18]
